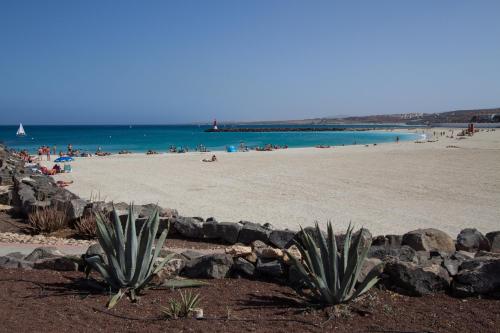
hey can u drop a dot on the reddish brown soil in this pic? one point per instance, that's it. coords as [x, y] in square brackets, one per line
[60, 302]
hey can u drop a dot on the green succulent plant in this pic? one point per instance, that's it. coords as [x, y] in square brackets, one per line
[182, 308]
[331, 276]
[131, 262]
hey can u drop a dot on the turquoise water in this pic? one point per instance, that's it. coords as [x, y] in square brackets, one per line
[160, 138]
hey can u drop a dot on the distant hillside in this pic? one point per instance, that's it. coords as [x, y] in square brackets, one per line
[458, 116]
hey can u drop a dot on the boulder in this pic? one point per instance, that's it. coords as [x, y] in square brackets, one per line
[171, 269]
[244, 266]
[415, 279]
[252, 231]
[238, 250]
[388, 241]
[452, 262]
[368, 265]
[478, 276]
[269, 267]
[386, 253]
[43, 253]
[227, 231]
[270, 253]
[189, 227]
[472, 240]
[429, 240]
[210, 230]
[57, 264]
[76, 207]
[214, 266]
[494, 239]
[12, 262]
[281, 238]
[292, 251]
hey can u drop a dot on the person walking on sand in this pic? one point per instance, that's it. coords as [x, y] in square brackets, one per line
[397, 139]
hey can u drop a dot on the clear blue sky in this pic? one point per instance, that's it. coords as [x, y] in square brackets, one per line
[184, 61]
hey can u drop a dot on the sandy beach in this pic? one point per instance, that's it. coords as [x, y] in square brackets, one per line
[388, 188]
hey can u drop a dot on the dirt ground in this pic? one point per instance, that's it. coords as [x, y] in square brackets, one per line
[62, 302]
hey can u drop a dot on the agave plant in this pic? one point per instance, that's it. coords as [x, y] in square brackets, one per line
[131, 262]
[187, 304]
[331, 276]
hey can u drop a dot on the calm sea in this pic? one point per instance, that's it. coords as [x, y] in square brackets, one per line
[160, 138]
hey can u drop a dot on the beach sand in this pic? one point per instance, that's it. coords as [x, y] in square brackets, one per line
[389, 188]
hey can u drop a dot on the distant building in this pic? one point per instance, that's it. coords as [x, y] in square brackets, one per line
[412, 115]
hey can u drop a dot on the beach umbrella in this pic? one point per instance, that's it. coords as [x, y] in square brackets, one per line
[64, 159]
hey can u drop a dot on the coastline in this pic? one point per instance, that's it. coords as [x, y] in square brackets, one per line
[389, 188]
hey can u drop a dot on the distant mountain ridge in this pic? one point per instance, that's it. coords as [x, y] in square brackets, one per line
[458, 116]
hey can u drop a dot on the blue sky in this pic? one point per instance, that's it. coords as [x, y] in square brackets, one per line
[71, 62]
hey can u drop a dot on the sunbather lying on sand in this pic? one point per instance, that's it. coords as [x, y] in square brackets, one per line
[213, 159]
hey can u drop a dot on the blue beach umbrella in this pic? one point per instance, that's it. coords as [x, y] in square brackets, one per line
[64, 159]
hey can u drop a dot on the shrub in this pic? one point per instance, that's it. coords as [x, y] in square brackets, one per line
[331, 277]
[47, 219]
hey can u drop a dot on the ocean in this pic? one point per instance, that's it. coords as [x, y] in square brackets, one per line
[140, 138]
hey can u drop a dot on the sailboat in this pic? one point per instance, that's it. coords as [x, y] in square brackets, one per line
[20, 131]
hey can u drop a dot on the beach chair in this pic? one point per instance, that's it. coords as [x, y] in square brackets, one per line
[67, 168]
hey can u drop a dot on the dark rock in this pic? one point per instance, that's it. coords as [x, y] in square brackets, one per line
[15, 255]
[76, 207]
[273, 268]
[251, 232]
[479, 276]
[385, 253]
[472, 240]
[12, 262]
[494, 239]
[210, 230]
[282, 238]
[389, 241]
[211, 219]
[189, 227]
[228, 232]
[43, 253]
[429, 240]
[190, 254]
[244, 266]
[487, 254]
[415, 279]
[214, 266]
[57, 264]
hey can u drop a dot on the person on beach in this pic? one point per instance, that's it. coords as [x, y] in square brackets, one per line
[397, 139]
[54, 150]
[213, 159]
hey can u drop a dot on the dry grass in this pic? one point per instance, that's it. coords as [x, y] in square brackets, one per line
[86, 226]
[48, 219]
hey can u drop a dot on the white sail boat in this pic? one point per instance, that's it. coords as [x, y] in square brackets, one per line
[20, 131]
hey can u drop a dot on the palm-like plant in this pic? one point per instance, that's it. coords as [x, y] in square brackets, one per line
[329, 275]
[131, 262]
